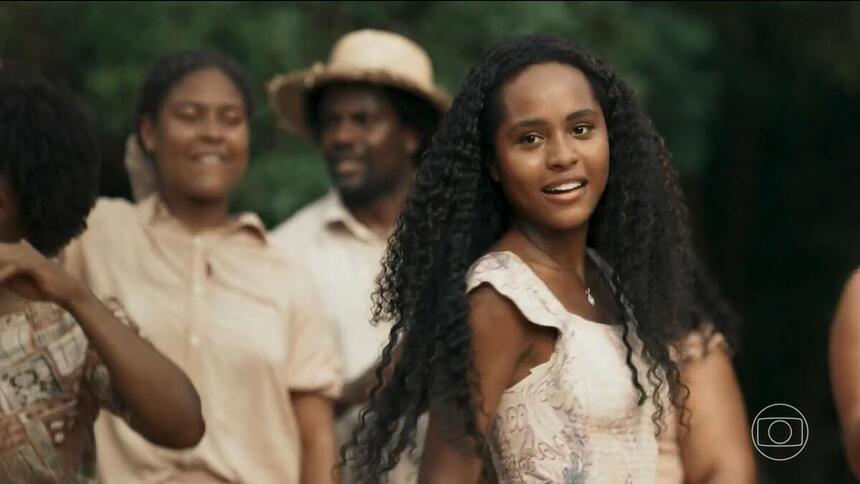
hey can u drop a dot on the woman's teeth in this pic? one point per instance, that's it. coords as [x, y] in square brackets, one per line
[210, 159]
[566, 187]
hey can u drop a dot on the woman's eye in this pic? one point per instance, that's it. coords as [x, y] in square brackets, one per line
[233, 118]
[188, 114]
[529, 139]
[581, 129]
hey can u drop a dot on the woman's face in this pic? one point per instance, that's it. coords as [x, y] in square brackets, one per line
[200, 137]
[552, 147]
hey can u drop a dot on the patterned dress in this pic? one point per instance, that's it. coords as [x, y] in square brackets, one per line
[574, 419]
[51, 388]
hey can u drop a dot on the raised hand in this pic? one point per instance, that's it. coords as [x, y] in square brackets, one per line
[29, 274]
[173, 417]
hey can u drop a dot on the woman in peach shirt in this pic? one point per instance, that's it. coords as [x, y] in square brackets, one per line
[228, 309]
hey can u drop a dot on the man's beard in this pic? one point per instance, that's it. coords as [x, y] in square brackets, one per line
[367, 190]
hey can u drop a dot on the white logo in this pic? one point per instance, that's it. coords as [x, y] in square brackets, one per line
[779, 432]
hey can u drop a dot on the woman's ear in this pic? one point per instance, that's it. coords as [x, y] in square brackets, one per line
[141, 170]
[147, 134]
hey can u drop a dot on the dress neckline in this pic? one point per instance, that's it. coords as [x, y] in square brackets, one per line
[547, 292]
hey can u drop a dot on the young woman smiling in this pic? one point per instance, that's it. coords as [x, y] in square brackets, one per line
[228, 309]
[537, 279]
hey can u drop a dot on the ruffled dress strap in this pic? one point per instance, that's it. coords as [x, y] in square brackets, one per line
[513, 279]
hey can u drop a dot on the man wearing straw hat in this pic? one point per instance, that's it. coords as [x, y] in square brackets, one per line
[371, 109]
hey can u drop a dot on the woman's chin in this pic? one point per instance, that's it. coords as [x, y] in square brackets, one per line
[570, 222]
[208, 194]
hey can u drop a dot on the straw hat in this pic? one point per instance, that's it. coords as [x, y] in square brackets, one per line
[372, 56]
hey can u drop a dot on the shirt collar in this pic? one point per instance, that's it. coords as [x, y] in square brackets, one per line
[154, 211]
[335, 216]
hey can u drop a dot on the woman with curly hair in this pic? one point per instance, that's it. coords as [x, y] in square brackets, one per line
[537, 279]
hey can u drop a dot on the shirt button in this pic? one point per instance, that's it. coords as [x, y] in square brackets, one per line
[198, 242]
[195, 341]
[197, 289]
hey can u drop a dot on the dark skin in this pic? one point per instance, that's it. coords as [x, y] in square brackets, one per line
[163, 404]
[552, 161]
[716, 447]
[200, 143]
[369, 153]
[315, 414]
[544, 139]
[845, 368]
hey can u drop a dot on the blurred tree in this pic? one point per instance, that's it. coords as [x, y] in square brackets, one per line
[103, 50]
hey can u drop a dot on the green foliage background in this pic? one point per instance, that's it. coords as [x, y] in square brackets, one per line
[759, 103]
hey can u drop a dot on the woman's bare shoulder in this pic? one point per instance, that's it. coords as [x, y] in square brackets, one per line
[495, 320]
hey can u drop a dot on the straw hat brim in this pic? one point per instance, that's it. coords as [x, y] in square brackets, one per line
[287, 92]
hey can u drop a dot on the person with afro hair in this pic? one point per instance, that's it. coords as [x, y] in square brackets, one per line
[64, 354]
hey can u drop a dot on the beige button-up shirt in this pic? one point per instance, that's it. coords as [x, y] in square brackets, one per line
[232, 314]
[342, 258]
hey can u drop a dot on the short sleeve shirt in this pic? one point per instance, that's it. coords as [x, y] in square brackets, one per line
[342, 259]
[232, 314]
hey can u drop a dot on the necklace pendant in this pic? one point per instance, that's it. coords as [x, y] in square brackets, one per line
[589, 296]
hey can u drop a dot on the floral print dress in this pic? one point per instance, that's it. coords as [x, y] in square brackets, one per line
[574, 419]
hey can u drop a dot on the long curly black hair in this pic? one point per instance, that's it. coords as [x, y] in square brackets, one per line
[455, 212]
[711, 312]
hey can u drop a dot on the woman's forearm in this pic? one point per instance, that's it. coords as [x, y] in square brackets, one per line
[315, 419]
[163, 404]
